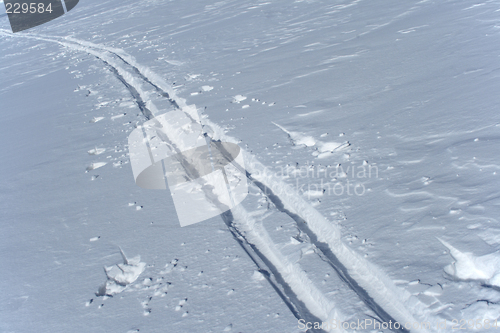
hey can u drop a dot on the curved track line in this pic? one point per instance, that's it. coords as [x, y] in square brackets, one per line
[297, 290]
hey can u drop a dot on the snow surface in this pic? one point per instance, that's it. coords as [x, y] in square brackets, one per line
[369, 132]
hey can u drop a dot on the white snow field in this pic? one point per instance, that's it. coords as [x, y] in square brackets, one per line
[369, 131]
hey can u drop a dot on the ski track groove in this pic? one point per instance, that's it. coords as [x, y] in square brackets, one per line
[298, 292]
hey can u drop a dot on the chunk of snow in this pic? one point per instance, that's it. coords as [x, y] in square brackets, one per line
[96, 151]
[466, 266]
[96, 119]
[96, 165]
[434, 290]
[313, 194]
[118, 116]
[121, 275]
[238, 98]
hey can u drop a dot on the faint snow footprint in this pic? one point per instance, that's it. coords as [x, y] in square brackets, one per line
[137, 207]
[158, 287]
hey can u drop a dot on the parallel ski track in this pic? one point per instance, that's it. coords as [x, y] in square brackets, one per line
[371, 285]
[286, 278]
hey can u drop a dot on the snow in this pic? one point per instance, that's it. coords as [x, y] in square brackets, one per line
[466, 266]
[324, 149]
[96, 119]
[95, 165]
[121, 275]
[397, 99]
[96, 151]
[238, 98]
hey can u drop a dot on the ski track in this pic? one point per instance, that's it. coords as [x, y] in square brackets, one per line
[300, 294]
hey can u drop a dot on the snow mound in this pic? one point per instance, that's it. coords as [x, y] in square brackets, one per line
[466, 267]
[323, 149]
[121, 275]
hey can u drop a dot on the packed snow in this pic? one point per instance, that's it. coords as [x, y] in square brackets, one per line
[368, 134]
